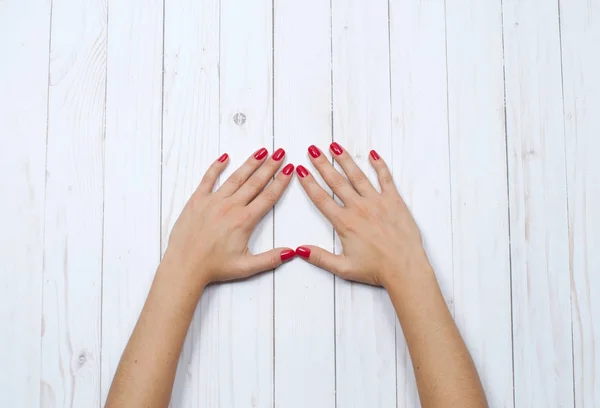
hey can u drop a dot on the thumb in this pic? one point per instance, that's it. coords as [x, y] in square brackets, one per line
[253, 264]
[336, 264]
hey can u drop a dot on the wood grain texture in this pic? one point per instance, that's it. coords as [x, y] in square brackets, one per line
[24, 46]
[132, 171]
[580, 24]
[244, 310]
[365, 318]
[538, 205]
[479, 192]
[304, 307]
[74, 205]
[420, 145]
[190, 145]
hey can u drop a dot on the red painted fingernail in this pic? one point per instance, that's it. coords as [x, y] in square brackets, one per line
[261, 154]
[336, 148]
[304, 252]
[314, 152]
[287, 170]
[223, 157]
[374, 155]
[302, 172]
[287, 255]
[278, 155]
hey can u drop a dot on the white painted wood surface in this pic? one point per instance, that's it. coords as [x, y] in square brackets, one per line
[132, 152]
[24, 47]
[420, 146]
[580, 23]
[542, 342]
[73, 239]
[364, 316]
[110, 112]
[482, 292]
[190, 144]
[304, 298]
[245, 309]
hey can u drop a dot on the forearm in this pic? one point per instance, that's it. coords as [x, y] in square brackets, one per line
[445, 373]
[147, 368]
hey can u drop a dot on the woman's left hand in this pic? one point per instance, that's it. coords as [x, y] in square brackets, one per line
[209, 241]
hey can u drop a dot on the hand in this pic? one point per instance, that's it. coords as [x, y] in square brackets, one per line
[379, 236]
[209, 241]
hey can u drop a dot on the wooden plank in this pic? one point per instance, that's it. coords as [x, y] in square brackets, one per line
[580, 23]
[420, 145]
[24, 46]
[304, 306]
[190, 145]
[479, 193]
[74, 205]
[538, 205]
[132, 171]
[365, 318]
[244, 309]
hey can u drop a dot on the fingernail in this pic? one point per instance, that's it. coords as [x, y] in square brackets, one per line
[278, 155]
[287, 170]
[304, 252]
[336, 148]
[374, 155]
[287, 255]
[223, 157]
[314, 152]
[302, 172]
[261, 154]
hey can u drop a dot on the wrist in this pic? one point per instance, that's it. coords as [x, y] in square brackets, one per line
[408, 271]
[181, 276]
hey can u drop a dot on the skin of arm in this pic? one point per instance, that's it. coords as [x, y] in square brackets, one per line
[209, 243]
[382, 246]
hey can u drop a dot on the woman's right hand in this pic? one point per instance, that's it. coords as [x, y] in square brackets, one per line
[380, 239]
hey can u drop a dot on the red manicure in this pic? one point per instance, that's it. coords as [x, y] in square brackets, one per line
[336, 148]
[287, 255]
[314, 152]
[374, 155]
[287, 170]
[261, 154]
[304, 252]
[278, 155]
[223, 157]
[302, 172]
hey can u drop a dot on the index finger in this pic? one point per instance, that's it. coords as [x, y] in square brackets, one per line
[324, 202]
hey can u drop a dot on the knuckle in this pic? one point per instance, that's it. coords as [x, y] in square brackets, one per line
[318, 259]
[337, 182]
[255, 184]
[235, 180]
[386, 178]
[270, 197]
[343, 270]
[243, 218]
[273, 261]
[357, 179]
[208, 178]
[345, 226]
[320, 198]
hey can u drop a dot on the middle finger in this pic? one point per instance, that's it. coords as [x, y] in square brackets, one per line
[334, 179]
[356, 176]
[258, 181]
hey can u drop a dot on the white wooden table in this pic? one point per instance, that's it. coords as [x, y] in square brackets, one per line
[488, 111]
